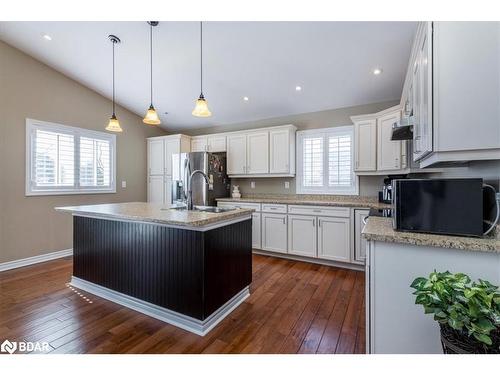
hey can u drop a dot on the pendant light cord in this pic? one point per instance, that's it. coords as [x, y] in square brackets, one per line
[113, 77]
[151, 58]
[201, 58]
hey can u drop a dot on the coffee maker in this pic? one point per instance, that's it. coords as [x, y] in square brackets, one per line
[385, 196]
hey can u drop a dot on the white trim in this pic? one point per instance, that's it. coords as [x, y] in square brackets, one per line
[199, 327]
[204, 228]
[32, 125]
[302, 258]
[36, 259]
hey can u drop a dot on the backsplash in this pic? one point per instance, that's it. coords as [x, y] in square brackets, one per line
[368, 185]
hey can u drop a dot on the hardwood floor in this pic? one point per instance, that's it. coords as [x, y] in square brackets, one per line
[294, 307]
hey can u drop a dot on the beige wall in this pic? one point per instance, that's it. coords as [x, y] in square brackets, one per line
[369, 185]
[29, 226]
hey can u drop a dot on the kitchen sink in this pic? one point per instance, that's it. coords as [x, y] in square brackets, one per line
[213, 209]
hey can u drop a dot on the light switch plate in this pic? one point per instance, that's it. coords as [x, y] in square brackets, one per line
[124, 184]
[287, 184]
[252, 184]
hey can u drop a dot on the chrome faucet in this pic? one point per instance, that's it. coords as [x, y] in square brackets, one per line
[190, 191]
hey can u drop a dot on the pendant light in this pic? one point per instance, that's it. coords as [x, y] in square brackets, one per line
[151, 117]
[114, 125]
[201, 108]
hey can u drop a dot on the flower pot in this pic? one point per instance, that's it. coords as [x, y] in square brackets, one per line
[456, 342]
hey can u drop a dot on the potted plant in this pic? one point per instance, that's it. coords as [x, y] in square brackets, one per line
[468, 312]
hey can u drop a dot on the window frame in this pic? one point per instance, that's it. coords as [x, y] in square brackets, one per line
[31, 190]
[325, 133]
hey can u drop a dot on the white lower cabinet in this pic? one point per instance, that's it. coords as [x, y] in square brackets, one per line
[256, 240]
[302, 236]
[274, 232]
[334, 238]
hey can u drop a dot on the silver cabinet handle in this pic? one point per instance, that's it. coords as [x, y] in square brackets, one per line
[284, 220]
[319, 222]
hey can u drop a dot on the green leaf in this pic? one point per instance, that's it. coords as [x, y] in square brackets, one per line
[483, 338]
[418, 282]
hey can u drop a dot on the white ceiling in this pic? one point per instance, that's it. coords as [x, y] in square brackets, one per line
[332, 61]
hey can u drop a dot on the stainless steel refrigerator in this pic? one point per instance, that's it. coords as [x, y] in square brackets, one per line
[213, 165]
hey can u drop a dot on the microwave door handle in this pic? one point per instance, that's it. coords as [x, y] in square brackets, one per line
[497, 200]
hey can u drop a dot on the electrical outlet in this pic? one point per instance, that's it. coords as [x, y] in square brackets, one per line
[124, 184]
[252, 184]
[287, 184]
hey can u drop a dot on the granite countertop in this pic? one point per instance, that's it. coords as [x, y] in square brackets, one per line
[380, 229]
[154, 213]
[311, 200]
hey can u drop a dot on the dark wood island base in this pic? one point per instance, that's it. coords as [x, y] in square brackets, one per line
[191, 278]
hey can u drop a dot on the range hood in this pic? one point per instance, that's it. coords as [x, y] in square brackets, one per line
[403, 129]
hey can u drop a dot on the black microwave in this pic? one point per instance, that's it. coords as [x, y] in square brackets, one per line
[452, 206]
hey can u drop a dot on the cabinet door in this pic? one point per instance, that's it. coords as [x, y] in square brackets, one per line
[365, 135]
[274, 230]
[425, 111]
[167, 190]
[155, 157]
[199, 144]
[172, 146]
[258, 153]
[216, 143]
[156, 189]
[388, 152]
[359, 241]
[279, 151]
[334, 238]
[256, 230]
[236, 154]
[302, 235]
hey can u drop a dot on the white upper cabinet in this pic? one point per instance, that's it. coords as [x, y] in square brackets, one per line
[172, 146]
[199, 144]
[365, 136]
[236, 154]
[156, 161]
[279, 151]
[216, 143]
[388, 151]
[258, 153]
[453, 86]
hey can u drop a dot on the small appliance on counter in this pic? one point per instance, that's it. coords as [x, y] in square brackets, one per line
[442, 206]
[213, 165]
[385, 196]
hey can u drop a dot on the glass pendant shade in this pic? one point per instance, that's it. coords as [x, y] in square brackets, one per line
[114, 125]
[151, 117]
[201, 108]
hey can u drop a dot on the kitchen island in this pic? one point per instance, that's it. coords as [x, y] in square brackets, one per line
[188, 268]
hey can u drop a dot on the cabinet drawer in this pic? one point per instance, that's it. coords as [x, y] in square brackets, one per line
[319, 210]
[255, 206]
[274, 208]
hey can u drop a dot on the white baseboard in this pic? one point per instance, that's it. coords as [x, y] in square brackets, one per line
[188, 323]
[325, 262]
[36, 259]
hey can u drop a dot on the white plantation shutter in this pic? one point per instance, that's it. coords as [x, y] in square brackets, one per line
[312, 153]
[325, 161]
[340, 160]
[68, 160]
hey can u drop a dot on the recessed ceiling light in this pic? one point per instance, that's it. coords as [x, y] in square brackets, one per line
[377, 71]
[245, 98]
[298, 88]
[46, 37]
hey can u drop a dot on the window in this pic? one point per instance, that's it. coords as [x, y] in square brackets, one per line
[325, 161]
[67, 160]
